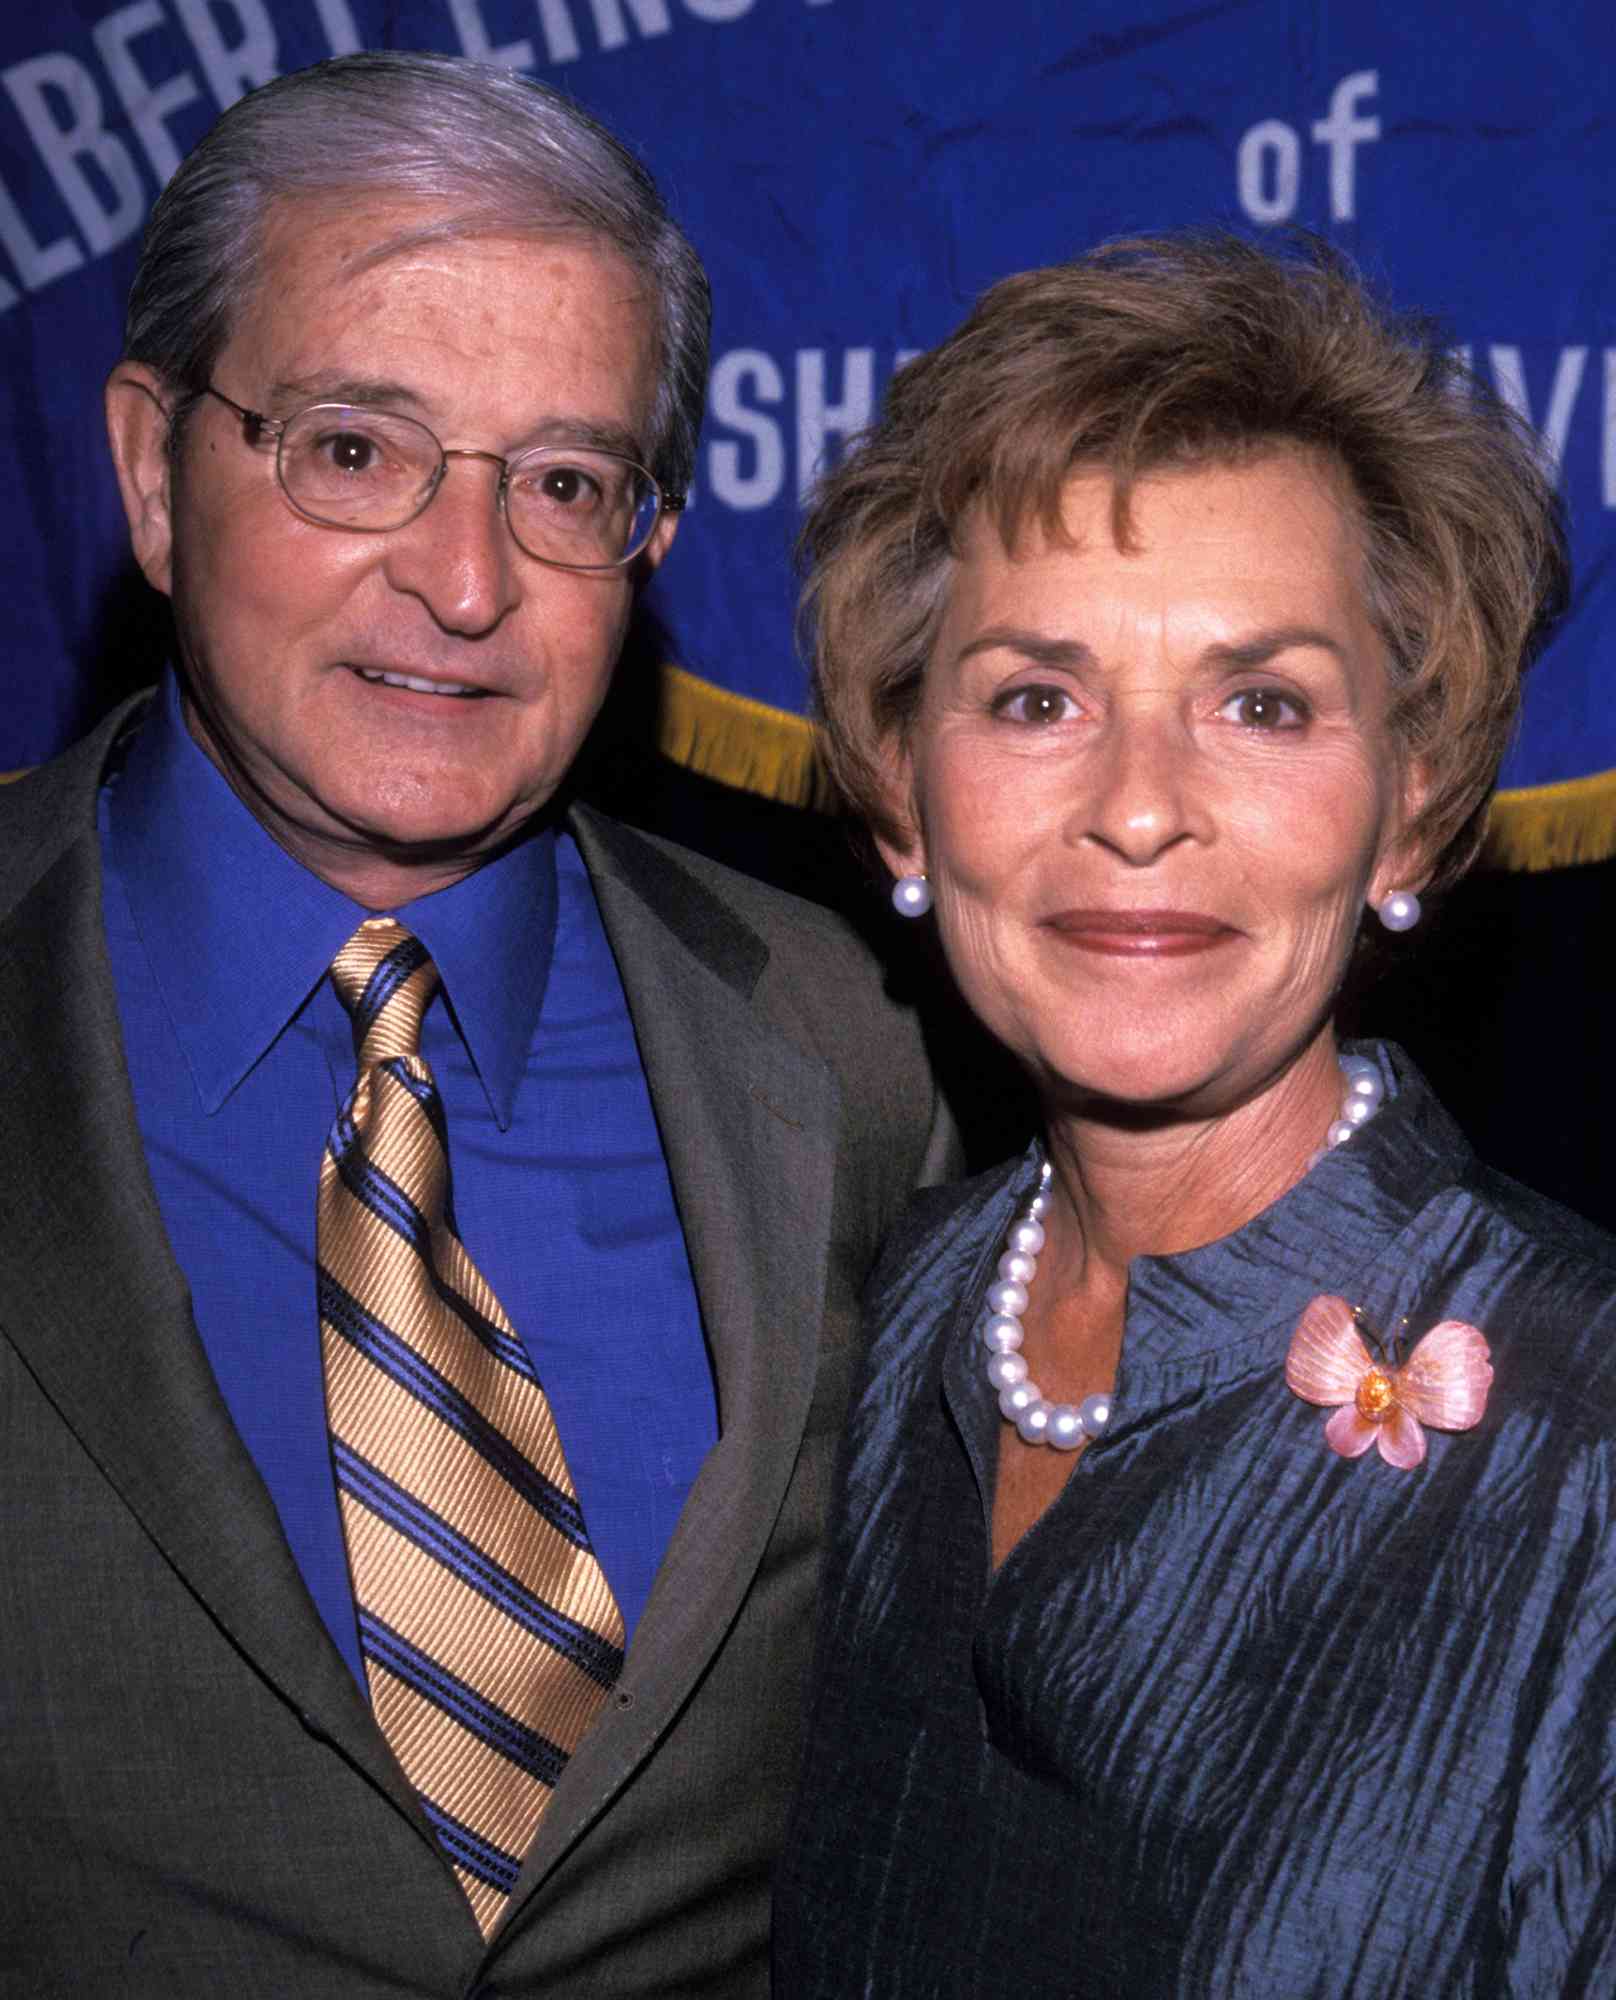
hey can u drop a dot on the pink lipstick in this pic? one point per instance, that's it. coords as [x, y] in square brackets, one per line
[1140, 933]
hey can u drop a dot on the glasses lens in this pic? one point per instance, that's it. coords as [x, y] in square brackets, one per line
[585, 509]
[358, 468]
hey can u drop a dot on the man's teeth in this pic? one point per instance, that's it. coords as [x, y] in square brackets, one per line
[415, 686]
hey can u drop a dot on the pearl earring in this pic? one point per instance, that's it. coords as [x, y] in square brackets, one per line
[1400, 911]
[911, 895]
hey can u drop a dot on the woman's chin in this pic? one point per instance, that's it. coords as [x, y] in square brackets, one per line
[1147, 1087]
[1146, 1093]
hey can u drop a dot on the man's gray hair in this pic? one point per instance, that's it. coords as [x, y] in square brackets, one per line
[502, 152]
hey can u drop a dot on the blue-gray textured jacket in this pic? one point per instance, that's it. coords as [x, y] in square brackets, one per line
[1237, 1717]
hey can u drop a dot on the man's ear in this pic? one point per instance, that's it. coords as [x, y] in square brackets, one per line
[137, 406]
[658, 546]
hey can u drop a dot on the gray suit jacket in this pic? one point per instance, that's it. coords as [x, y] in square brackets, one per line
[194, 1798]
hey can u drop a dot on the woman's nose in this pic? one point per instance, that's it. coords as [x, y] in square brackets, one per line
[1143, 795]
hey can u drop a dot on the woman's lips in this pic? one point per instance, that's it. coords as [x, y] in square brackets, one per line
[1140, 933]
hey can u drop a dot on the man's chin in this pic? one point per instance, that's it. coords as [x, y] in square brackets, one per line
[386, 858]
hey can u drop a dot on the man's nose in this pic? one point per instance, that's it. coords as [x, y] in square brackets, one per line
[1142, 793]
[457, 556]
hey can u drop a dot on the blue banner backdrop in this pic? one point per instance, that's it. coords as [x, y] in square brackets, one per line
[854, 175]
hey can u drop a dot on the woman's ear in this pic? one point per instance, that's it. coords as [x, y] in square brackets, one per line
[137, 408]
[1404, 862]
[901, 846]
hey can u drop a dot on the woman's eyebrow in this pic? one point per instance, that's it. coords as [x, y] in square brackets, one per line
[1038, 647]
[1263, 646]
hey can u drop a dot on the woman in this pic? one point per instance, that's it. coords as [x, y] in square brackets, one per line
[1222, 1600]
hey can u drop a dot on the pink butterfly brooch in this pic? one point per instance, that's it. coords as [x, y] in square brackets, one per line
[1444, 1382]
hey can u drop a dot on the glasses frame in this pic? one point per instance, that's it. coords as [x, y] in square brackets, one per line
[256, 427]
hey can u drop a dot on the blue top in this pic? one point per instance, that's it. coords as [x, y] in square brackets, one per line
[239, 1054]
[1237, 1717]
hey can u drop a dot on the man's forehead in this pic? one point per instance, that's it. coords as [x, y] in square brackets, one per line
[339, 233]
[324, 300]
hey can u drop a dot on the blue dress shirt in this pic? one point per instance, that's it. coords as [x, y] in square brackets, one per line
[239, 1055]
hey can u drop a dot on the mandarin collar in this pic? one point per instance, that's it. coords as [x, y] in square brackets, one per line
[1343, 1228]
[239, 935]
[1351, 1225]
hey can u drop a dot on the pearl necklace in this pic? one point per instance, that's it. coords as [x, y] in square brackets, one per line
[1067, 1425]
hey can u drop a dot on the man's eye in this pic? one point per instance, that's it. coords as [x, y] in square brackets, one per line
[569, 486]
[350, 451]
[1036, 704]
[1264, 708]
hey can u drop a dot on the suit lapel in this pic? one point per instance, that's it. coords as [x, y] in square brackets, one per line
[93, 1301]
[748, 1123]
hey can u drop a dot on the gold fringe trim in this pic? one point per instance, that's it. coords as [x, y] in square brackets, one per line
[768, 751]
[1552, 826]
[740, 742]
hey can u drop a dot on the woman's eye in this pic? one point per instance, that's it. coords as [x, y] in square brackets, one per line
[1036, 704]
[1264, 708]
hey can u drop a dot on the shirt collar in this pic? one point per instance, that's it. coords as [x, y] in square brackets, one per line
[238, 934]
[492, 935]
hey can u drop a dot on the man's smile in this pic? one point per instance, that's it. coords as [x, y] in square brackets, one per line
[416, 684]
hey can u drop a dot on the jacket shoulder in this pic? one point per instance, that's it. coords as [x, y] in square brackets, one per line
[942, 1228]
[798, 959]
[43, 811]
[772, 911]
[1540, 1283]
[1545, 1227]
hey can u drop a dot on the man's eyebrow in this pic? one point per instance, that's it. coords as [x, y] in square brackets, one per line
[300, 389]
[296, 392]
[581, 430]
[1037, 647]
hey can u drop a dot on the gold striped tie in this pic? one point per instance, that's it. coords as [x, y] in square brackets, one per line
[490, 1634]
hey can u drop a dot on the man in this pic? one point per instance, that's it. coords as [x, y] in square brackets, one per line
[406, 1571]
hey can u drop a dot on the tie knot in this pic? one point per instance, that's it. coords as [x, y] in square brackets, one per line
[385, 979]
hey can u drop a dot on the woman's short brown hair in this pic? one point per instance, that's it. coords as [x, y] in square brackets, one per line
[1159, 352]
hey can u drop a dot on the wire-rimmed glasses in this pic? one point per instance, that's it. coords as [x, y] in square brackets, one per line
[344, 465]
